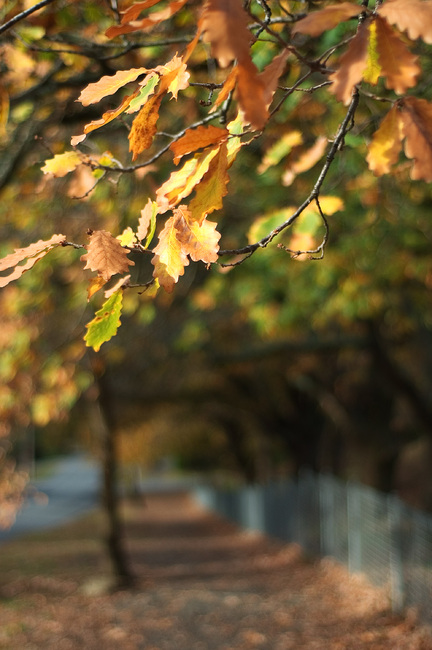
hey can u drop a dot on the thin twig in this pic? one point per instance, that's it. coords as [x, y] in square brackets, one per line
[16, 19]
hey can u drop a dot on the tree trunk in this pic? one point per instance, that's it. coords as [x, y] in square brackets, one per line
[115, 536]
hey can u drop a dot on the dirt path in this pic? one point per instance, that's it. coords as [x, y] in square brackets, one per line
[205, 585]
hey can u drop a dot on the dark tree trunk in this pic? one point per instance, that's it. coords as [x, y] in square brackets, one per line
[115, 535]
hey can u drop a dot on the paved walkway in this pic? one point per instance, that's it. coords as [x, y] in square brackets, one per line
[70, 491]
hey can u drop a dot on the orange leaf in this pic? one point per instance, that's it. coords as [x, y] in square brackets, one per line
[109, 85]
[107, 117]
[352, 64]
[169, 251]
[95, 284]
[321, 21]
[132, 12]
[386, 143]
[146, 23]
[398, 64]
[198, 240]
[411, 16]
[198, 138]
[417, 120]
[174, 76]
[212, 188]
[251, 95]
[182, 182]
[227, 87]
[106, 255]
[144, 126]
[161, 274]
[225, 26]
[271, 73]
[34, 252]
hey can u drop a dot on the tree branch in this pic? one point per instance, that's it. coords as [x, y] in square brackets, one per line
[24, 14]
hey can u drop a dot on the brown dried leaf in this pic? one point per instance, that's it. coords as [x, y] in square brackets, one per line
[416, 116]
[321, 21]
[306, 160]
[386, 143]
[199, 138]
[352, 64]
[107, 117]
[132, 12]
[224, 25]
[121, 282]
[398, 64]
[144, 126]
[271, 73]
[411, 16]
[34, 253]
[108, 85]
[251, 94]
[106, 255]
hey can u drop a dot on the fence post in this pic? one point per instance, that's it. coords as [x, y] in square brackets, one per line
[396, 562]
[354, 528]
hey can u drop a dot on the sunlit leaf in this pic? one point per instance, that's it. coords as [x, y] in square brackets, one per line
[386, 144]
[62, 163]
[106, 255]
[106, 322]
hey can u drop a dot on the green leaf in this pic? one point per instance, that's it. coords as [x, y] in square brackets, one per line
[105, 323]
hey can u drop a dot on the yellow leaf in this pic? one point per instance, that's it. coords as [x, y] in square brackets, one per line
[181, 183]
[386, 143]
[174, 76]
[144, 126]
[212, 188]
[95, 284]
[147, 222]
[169, 253]
[127, 238]
[62, 163]
[373, 68]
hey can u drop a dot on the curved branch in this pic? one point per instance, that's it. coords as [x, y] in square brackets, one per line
[16, 19]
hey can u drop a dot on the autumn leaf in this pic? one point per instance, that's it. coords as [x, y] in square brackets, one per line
[224, 25]
[151, 21]
[399, 66]
[127, 237]
[94, 285]
[62, 163]
[107, 117]
[271, 73]
[227, 88]
[182, 182]
[147, 222]
[386, 143]
[306, 160]
[280, 149]
[144, 126]
[198, 240]
[212, 188]
[161, 275]
[106, 322]
[251, 94]
[174, 76]
[169, 253]
[352, 65]
[148, 86]
[199, 138]
[108, 85]
[416, 117]
[33, 253]
[132, 12]
[328, 18]
[411, 16]
[120, 284]
[106, 255]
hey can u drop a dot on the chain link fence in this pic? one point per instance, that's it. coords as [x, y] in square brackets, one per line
[368, 531]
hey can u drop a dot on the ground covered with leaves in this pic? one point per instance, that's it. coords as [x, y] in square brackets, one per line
[202, 585]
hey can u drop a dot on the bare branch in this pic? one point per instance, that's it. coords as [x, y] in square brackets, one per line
[16, 19]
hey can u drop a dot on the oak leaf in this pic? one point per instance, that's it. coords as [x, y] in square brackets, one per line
[352, 65]
[386, 143]
[143, 127]
[399, 66]
[174, 76]
[106, 255]
[227, 88]
[224, 25]
[271, 73]
[107, 117]
[147, 222]
[411, 16]
[417, 120]
[148, 87]
[105, 323]
[95, 284]
[169, 252]
[146, 23]
[33, 253]
[212, 188]
[62, 163]
[161, 275]
[182, 182]
[320, 21]
[251, 94]
[132, 12]
[198, 240]
[108, 85]
[199, 138]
